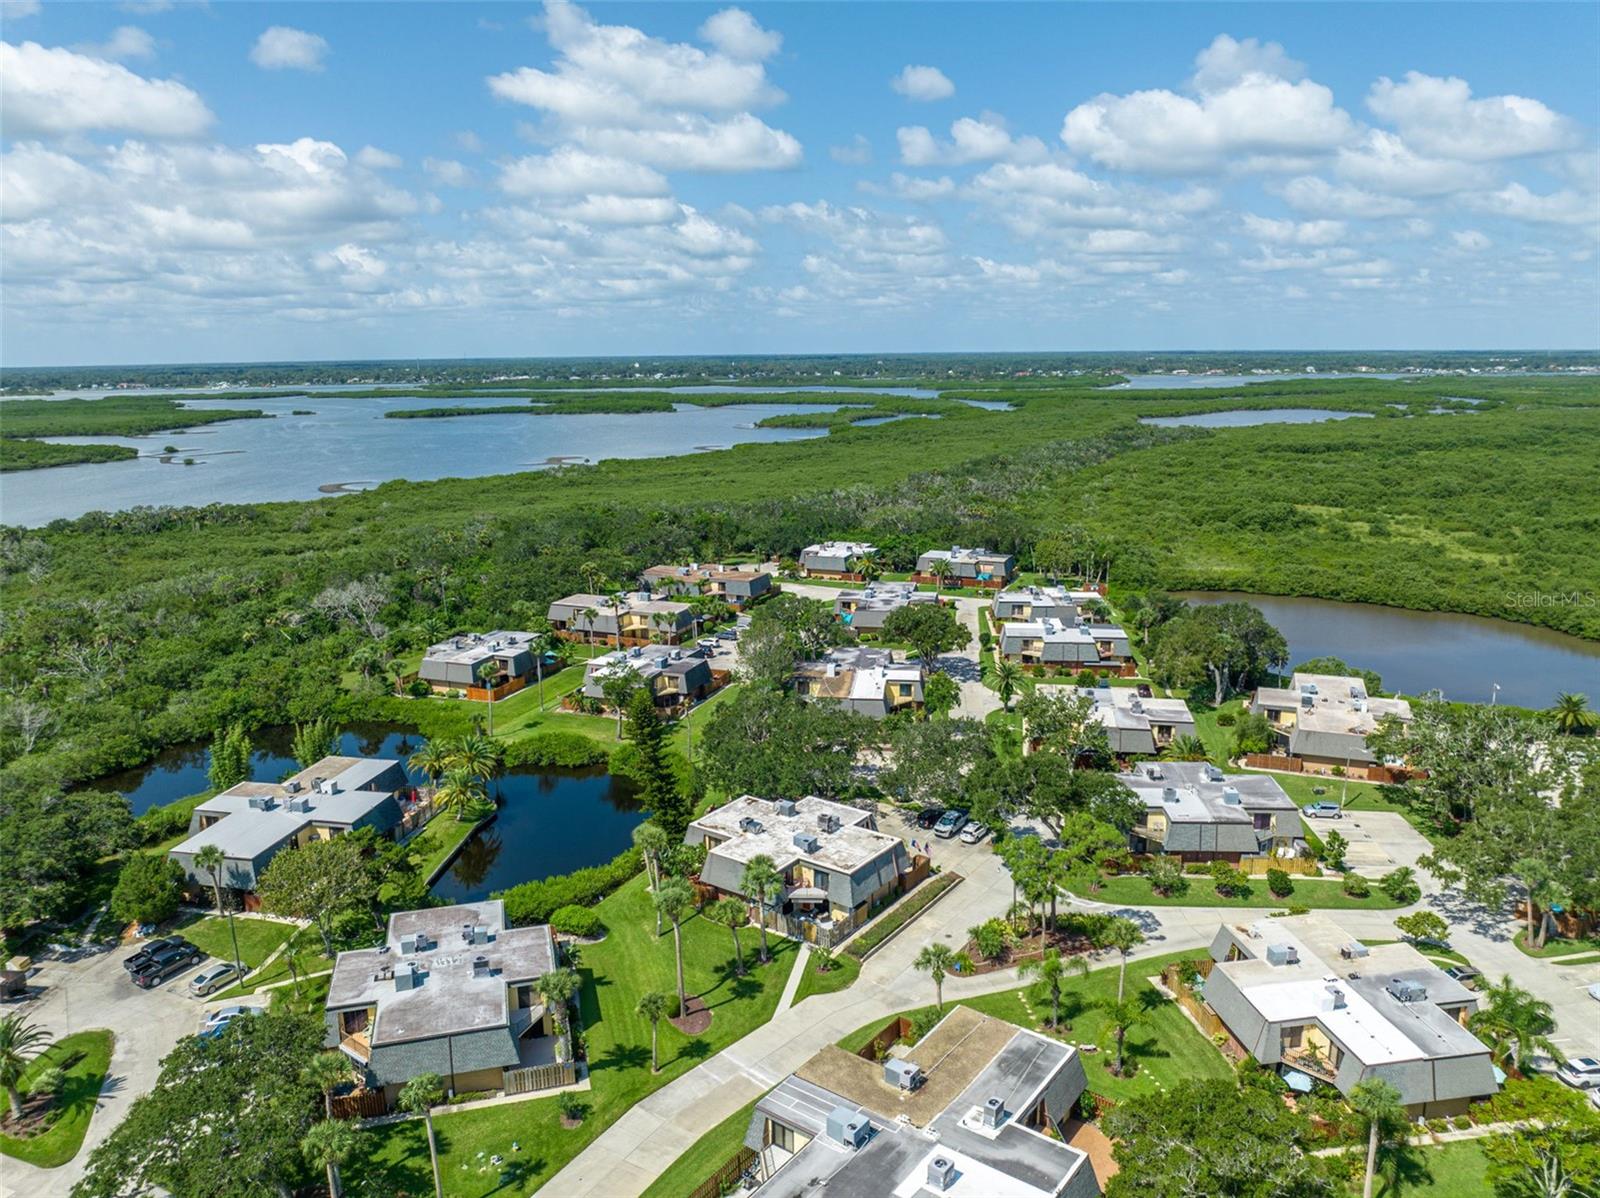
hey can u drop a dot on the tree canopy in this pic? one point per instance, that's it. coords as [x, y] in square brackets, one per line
[763, 741]
[48, 842]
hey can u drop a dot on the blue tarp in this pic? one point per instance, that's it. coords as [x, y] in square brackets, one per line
[1300, 1083]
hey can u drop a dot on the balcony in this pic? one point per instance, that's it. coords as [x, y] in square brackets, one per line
[1317, 1067]
[358, 1046]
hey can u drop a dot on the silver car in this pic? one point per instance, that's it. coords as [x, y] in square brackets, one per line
[213, 977]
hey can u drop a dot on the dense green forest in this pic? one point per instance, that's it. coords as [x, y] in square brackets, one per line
[131, 630]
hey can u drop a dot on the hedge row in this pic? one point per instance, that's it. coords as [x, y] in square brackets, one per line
[568, 750]
[900, 914]
[536, 902]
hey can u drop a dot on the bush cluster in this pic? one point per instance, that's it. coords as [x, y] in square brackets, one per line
[537, 902]
[567, 750]
[573, 920]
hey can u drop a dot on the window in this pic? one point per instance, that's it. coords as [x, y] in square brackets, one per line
[819, 879]
[1263, 821]
[1293, 1037]
[782, 1137]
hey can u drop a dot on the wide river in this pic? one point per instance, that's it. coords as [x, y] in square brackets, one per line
[1464, 656]
[347, 444]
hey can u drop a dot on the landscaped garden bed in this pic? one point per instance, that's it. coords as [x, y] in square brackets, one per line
[897, 916]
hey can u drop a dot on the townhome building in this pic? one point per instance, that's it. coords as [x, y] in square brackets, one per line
[455, 992]
[967, 567]
[977, 1108]
[1051, 643]
[676, 676]
[631, 619]
[1195, 811]
[866, 609]
[1323, 721]
[1137, 725]
[1041, 603]
[456, 663]
[835, 559]
[738, 587]
[1301, 996]
[861, 679]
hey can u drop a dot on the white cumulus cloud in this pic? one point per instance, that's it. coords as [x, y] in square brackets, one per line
[981, 139]
[127, 41]
[923, 83]
[281, 48]
[737, 34]
[53, 91]
[1439, 117]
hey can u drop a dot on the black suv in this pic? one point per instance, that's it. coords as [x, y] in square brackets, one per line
[929, 816]
[131, 964]
[165, 962]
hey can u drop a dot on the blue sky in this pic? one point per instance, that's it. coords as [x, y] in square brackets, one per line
[259, 181]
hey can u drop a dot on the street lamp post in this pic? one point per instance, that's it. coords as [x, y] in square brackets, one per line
[1494, 694]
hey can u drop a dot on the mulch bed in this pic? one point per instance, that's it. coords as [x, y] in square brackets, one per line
[695, 1018]
[38, 1116]
[1028, 950]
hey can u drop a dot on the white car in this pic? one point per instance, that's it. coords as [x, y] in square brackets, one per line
[973, 833]
[1583, 1073]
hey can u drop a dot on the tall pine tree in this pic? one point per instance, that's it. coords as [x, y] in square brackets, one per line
[658, 782]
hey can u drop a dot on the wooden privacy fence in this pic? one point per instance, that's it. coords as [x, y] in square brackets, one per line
[481, 693]
[539, 1077]
[1274, 761]
[722, 1180]
[1258, 866]
[364, 1104]
[892, 1032]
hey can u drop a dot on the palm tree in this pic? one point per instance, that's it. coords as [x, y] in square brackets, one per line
[479, 755]
[941, 574]
[1122, 1014]
[937, 960]
[761, 880]
[589, 615]
[461, 791]
[485, 673]
[1052, 970]
[367, 658]
[1122, 934]
[541, 644]
[674, 899]
[20, 1042]
[593, 577]
[1185, 748]
[1515, 1023]
[327, 1071]
[652, 841]
[210, 858]
[1379, 1102]
[1572, 715]
[557, 988]
[1007, 678]
[421, 1094]
[431, 761]
[652, 1006]
[730, 913]
[329, 1144]
[869, 569]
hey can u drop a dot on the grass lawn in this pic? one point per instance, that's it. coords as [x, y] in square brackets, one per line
[1446, 1171]
[1554, 947]
[86, 1056]
[1164, 1046]
[1588, 959]
[615, 972]
[258, 938]
[841, 975]
[441, 837]
[1316, 893]
[307, 956]
[706, 1155]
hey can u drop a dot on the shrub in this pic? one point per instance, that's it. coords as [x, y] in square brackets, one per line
[573, 920]
[1227, 719]
[567, 750]
[1401, 885]
[1253, 734]
[1299, 909]
[990, 938]
[572, 1106]
[1279, 882]
[1085, 678]
[418, 689]
[1333, 850]
[536, 902]
[1166, 878]
[922, 1022]
[985, 639]
[148, 888]
[1229, 881]
[163, 823]
[1356, 886]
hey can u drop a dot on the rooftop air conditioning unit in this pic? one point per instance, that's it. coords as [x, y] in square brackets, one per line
[994, 1112]
[480, 934]
[1169, 794]
[292, 786]
[1230, 795]
[1282, 954]
[480, 967]
[1136, 705]
[848, 1127]
[329, 787]
[805, 842]
[941, 1172]
[1155, 773]
[1353, 950]
[902, 1074]
[786, 807]
[1407, 991]
[1213, 773]
[1335, 997]
[1355, 691]
[408, 944]
[408, 979]
[749, 824]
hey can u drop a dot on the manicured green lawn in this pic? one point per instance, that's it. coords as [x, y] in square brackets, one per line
[707, 1154]
[433, 846]
[1448, 1171]
[616, 971]
[841, 974]
[1587, 959]
[1554, 947]
[86, 1056]
[1316, 893]
[1164, 1046]
[258, 938]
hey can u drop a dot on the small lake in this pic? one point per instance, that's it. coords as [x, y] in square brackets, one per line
[1245, 417]
[550, 822]
[1464, 656]
[181, 770]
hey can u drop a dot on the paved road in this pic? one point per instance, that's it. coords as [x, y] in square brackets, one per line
[94, 992]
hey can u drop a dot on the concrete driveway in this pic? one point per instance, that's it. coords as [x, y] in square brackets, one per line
[94, 991]
[1379, 840]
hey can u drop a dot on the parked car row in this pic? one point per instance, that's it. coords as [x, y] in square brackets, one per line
[159, 960]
